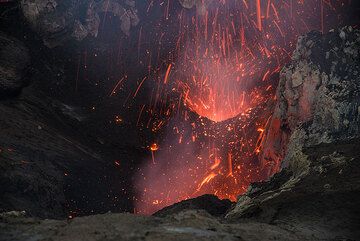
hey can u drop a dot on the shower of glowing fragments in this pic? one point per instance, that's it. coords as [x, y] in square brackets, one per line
[213, 96]
[215, 90]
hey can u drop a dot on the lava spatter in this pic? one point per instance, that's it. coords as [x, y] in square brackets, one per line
[213, 95]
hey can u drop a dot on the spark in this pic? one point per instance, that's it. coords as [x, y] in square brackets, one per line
[258, 12]
[113, 91]
[154, 147]
[139, 86]
[167, 74]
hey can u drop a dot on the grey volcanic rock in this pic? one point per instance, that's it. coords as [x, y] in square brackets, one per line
[209, 203]
[60, 21]
[315, 131]
[318, 96]
[322, 202]
[14, 63]
[187, 225]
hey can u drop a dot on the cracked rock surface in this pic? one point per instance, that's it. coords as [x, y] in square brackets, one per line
[318, 98]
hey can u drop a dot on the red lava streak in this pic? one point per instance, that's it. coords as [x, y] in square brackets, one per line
[214, 94]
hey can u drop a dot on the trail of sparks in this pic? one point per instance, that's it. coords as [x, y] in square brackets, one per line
[139, 86]
[213, 94]
[258, 13]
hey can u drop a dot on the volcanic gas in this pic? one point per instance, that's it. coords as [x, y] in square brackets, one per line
[213, 94]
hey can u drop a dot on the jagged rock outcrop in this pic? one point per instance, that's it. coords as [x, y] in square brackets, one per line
[14, 64]
[318, 98]
[315, 131]
[60, 21]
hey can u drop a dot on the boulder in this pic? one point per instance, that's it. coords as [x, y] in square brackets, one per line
[209, 203]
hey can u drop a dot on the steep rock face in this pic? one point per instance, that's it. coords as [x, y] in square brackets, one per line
[318, 98]
[52, 161]
[14, 63]
[49, 167]
[315, 131]
[39, 159]
[60, 21]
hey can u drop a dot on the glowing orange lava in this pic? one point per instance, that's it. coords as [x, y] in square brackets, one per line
[154, 147]
[214, 94]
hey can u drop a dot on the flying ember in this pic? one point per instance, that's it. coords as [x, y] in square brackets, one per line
[213, 94]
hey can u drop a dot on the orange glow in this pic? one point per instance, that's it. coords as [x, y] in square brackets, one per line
[154, 147]
[206, 180]
[118, 119]
[216, 164]
[230, 165]
[212, 97]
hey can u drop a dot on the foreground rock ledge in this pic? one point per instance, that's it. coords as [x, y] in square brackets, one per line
[187, 225]
[316, 196]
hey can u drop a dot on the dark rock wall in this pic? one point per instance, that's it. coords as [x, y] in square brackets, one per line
[58, 156]
[14, 64]
[46, 169]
